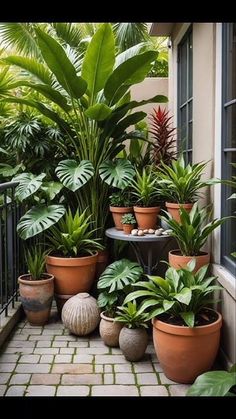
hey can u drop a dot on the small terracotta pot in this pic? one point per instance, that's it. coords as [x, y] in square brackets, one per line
[186, 352]
[133, 343]
[117, 213]
[146, 217]
[72, 275]
[109, 330]
[173, 209]
[36, 297]
[177, 260]
[127, 228]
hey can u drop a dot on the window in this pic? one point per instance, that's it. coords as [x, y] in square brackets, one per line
[228, 238]
[185, 95]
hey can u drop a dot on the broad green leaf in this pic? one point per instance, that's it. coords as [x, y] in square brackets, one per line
[119, 274]
[132, 71]
[51, 189]
[127, 122]
[168, 304]
[7, 170]
[212, 383]
[188, 317]
[32, 66]
[29, 184]
[99, 59]
[3, 151]
[39, 219]
[98, 112]
[160, 282]
[74, 175]
[58, 62]
[117, 173]
[184, 296]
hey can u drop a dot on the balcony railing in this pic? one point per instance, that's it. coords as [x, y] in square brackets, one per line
[11, 252]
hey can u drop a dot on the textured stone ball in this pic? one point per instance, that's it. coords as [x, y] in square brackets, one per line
[81, 314]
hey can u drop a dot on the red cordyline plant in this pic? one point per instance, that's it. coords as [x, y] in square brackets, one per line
[164, 146]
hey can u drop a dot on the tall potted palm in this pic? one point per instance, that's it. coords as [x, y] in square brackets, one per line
[93, 107]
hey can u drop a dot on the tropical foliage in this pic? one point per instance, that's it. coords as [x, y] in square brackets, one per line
[89, 101]
[181, 295]
[144, 188]
[131, 316]
[192, 233]
[35, 261]
[180, 183]
[215, 384]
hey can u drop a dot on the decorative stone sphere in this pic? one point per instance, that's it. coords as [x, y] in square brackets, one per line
[81, 314]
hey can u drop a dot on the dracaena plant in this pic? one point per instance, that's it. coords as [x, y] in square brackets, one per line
[181, 295]
[144, 188]
[131, 316]
[91, 105]
[192, 232]
[72, 236]
[181, 183]
[35, 262]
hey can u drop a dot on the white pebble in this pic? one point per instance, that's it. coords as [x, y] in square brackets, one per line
[134, 232]
[140, 233]
[151, 231]
[157, 233]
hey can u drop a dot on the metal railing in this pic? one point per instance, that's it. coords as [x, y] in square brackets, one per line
[11, 257]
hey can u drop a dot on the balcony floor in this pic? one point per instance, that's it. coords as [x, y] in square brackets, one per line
[49, 361]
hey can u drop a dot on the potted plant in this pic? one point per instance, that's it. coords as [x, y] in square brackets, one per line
[133, 338]
[73, 255]
[114, 284]
[36, 287]
[120, 204]
[186, 332]
[128, 222]
[191, 235]
[145, 192]
[179, 185]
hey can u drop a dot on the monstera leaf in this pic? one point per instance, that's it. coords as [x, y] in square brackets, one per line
[39, 219]
[74, 175]
[118, 173]
[119, 274]
[29, 184]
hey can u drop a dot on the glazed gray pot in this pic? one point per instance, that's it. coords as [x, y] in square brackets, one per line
[133, 343]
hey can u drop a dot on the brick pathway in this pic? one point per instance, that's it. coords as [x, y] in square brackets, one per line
[49, 361]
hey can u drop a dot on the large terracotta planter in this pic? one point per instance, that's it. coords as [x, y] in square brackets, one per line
[36, 297]
[102, 262]
[146, 217]
[109, 330]
[133, 343]
[72, 275]
[173, 209]
[177, 260]
[184, 352]
[117, 213]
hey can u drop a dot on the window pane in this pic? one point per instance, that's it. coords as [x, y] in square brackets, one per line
[190, 135]
[183, 127]
[230, 126]
[183, 73]
[190, 74]
[229, 207]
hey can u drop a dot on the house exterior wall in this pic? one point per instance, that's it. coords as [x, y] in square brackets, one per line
[207, 147]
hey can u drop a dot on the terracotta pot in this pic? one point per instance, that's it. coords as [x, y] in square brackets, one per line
[177, 260]
[72, 275]
[60, 301]
[146, 217]
[36, 297]
[173, 209]
[127, 228]
[109, 330]
[133, 343]
[102, 262]
[184, 352]
[117, 213]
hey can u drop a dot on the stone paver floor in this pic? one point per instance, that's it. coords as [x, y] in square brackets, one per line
[49, 361]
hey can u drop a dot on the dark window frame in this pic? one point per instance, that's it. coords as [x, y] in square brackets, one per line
[183, 144]
[226, 260]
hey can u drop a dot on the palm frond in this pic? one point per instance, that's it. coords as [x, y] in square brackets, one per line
[21, 36]
[129, 34]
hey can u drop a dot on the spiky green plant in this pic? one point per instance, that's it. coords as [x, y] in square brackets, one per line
[35, 261]
[131, 316]
[144, 188]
